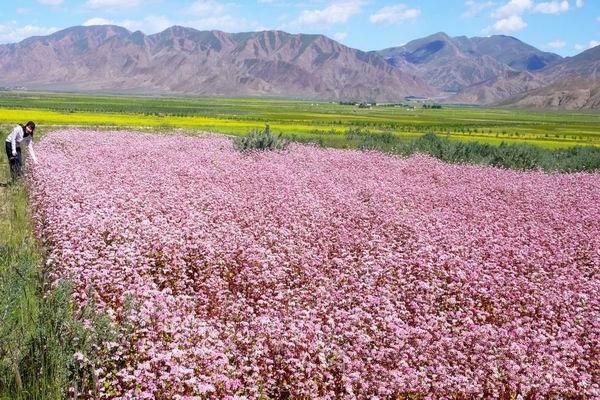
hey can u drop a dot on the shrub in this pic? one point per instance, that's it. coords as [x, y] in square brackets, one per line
[260, 140]
[519, 156]
[578, 159]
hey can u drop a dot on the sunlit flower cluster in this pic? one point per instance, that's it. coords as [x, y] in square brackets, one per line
[323, 274]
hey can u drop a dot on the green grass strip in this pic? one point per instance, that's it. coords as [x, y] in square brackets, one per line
[40, 329]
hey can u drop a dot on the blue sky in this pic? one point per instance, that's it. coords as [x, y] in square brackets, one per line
[566, 27]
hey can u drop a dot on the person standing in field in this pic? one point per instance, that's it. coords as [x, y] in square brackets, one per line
[21, 135]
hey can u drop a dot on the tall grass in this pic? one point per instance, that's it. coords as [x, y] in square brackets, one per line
[40, 330]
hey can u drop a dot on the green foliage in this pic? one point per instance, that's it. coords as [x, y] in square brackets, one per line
[40, 331]
[578, 159]
[260, 140]
[365, 140]
[520, 156]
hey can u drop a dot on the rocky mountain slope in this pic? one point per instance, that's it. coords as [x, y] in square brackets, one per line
[570, 94]
[185, 60]
[585, 65]
[498, 88]
[572, 84]
[452, 64]
[516, 54]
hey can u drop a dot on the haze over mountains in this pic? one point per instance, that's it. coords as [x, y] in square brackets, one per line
[479, 70]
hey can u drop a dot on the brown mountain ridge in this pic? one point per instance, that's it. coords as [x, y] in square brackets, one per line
[572, 84]
[452, 64]
[188, 61]
[498, 70]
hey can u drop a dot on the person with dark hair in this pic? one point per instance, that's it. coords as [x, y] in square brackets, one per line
[21, 135]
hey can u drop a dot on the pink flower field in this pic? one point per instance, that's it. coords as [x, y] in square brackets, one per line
[323, 274]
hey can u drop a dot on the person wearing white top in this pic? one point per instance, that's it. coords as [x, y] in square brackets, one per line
[21, 135]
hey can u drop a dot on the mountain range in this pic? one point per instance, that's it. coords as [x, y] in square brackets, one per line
[479, 70]
[452, 64]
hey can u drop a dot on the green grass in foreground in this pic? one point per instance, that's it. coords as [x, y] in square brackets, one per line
[22, 307]
[317, 121]
[40, 331]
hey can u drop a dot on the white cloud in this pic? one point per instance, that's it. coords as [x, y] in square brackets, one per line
[153, 24]
[513, 23]
[512, 8]
[592, 43]
[336, 13]
[13, 32]
[150, 24]
[97, 21]
[394, 14]
[579, 3]
[227, 23]
[339, 36]
[211, 14]
[207, 7]
[552, 7]
[50, 2]
[113, 4]
[474, 8]
[556, 44]
[509, 17]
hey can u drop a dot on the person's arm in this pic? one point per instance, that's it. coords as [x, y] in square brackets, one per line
[13, 140]
[31, 152]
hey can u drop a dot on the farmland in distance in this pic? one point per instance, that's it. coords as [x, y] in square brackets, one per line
[316, 121]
